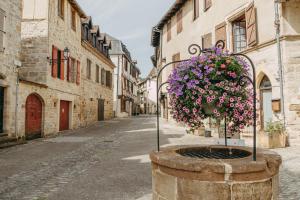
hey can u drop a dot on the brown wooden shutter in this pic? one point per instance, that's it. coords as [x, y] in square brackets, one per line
[207, 41]
[54, 61]
[78, 73]
[169, 32]
[176, 57]
[251, 25]
[196, 9]
[62, 66]
[179, 21]
[221, 33]
[207, 4]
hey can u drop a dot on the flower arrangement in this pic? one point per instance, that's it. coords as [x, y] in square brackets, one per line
[208, 86]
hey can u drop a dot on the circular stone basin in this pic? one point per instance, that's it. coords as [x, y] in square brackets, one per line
[214, 173]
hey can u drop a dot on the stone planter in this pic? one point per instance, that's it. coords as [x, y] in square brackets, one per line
[272, 141]
[180, 177]
[200, 131]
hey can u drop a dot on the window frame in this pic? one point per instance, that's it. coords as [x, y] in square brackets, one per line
[241, 18]
[61, 9]
[73, 19]
[88, 69]
[196, 9]
[206, 5]
[3, 32]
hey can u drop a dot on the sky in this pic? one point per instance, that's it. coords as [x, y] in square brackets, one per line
[130, 21]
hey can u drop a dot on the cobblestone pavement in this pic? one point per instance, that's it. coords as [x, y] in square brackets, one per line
[107, 161]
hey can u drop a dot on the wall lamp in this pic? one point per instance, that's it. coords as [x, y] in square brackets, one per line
[66, 56]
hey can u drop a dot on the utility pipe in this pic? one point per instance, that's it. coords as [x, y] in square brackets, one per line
[279, 57]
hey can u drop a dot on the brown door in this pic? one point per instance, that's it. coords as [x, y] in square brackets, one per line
[64, 116]
[33, 120]
[101, 110]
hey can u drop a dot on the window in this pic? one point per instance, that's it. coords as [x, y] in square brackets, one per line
[89, 69]
[108, 79]
[239, 34]
[97, 74]
[179, 22]
[86, 32]
[207, 4]
[73, 19]
[102, 76]
[94, 40]
[59, 62]
[126, 65]
[196, 9]
[207, 41]
[169, 32]
[2, 32]
[61, 8]
[175, 57]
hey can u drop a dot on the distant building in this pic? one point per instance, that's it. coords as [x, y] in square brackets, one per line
[126, 76]
[246, 27]
[147, 93]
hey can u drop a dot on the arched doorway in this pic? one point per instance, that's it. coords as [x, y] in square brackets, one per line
[266, 101]
[34, 114]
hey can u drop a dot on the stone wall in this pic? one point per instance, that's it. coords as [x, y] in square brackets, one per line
[9, 60]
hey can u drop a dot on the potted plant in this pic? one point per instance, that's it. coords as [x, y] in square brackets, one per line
[274, 136]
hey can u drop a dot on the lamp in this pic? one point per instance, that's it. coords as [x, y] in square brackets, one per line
[66, 56]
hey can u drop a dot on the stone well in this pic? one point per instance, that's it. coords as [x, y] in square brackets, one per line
[177, 176]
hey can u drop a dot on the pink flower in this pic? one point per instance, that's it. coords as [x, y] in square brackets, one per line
[223, 66]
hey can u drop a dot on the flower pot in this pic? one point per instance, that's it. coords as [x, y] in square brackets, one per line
[272, 140]
[200, 131]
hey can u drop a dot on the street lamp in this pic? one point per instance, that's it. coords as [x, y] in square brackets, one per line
[66, 56]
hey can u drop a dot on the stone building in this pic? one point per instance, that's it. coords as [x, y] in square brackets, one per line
[56, 95]
[246, 26]
[147, 93]
[10, 47]
[125, 79]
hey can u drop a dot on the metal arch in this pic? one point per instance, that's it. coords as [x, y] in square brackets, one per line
[253, 82]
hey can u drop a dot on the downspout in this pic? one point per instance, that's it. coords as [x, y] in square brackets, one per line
[117, 104]
[279, 56]
[17, 103]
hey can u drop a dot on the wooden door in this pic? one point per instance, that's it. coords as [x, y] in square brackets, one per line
[101, 110]
[64, 116]
[1, 108]
[33, 120]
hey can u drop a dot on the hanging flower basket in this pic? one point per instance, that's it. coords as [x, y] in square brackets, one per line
[209, 86]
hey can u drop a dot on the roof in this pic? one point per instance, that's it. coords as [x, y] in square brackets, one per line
[155, 36]
[116, 45]
[78, 8]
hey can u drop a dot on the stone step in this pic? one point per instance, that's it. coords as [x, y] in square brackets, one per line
[6, 142]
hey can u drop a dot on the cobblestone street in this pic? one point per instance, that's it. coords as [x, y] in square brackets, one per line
[108, 161]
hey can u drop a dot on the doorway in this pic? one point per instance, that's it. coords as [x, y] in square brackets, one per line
[101, 109]
[33, 118]
[64, 115]
[266, 102]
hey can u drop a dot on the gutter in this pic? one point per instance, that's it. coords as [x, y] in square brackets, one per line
[279, 57]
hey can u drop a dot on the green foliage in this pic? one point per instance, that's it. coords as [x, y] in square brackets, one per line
[275, 127]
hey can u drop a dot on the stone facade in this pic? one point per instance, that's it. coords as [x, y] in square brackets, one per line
[126, 76]
[10, 47]
[54, 81]
[217, 22]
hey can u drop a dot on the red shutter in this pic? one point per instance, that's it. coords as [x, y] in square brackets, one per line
[251, 25]
[54, 61]
[69, 69]
[62, 66]
[78, 73]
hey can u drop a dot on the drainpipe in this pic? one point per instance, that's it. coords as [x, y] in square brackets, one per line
[17, 102]
[116, 114]
[279, 56]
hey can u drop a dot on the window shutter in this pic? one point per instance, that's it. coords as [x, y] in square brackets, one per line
[107, 78]
[208, 4]
[175, 57]
[62, 66]
[179, 21]
[221, 33]
[69, 63]
[78, 73]
[54, 61]
[196, 9]
[2, 17]
[169, 31]
[251, 25]
[207, 41]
